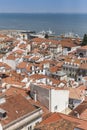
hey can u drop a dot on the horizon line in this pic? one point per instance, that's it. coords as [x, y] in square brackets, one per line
[43, 12]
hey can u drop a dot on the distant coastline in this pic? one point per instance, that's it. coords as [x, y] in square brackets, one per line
[58, 22]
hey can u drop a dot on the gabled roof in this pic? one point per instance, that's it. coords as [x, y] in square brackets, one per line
[22, 65]
[48, 87]
[81, 110]
[67, 43]
[5, 65]
[82, 48]
[16, 106]
[16, 91]
[53, 69]
[23, 46]
[83, 66]
[44, 40]
[19, 52]
[74, 93]
[15, 81]
[60, 121]
[37, 76]
[11, 57]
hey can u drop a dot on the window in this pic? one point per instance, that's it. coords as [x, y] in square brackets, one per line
[55, 108]
[77, 129]
[37, 123]
[30, 128]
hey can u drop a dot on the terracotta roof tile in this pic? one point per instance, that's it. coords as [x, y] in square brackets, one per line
[54, 69]
[28, 68]
[43, 40]
[13, 81]
[82, 110]
[83, 66]
[60, 121]
[16, 106]
[27, 56]
[22, 65]
[67, 43]
[22, 46]
[19, 52]
[37, 103]
[74, 93]
[15, 90]
[82, 48]
[46, 86]
[73, 60]
[37, 76]
[5, 65]
[35, 58]
[11, 57]
[1, 64]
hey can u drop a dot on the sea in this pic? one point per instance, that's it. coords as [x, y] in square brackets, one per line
[58, 23]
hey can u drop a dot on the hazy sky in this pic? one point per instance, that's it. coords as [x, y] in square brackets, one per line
[45, 6]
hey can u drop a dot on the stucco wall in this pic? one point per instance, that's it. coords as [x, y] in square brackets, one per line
[42, 94]
[59, 100]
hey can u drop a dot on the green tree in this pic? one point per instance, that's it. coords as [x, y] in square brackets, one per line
[46, 36]
[84, 42]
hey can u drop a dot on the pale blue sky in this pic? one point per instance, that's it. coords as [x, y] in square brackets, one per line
[43, 6]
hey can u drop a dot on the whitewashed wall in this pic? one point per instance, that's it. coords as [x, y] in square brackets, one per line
[58, 100]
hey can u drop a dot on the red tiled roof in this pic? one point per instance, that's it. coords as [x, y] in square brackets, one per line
[37, 76]
[82, 110]
[16, 106]
[23, 46]
[5, 65]
[29, 67]
[22, 65]
[61, 122]
[37, 103]
[35, 58]
[45, 86]
[83, 66]
[73, 60]
[53, 69]
[13, 81]
[74, 93]
[44, 40]
[15, 90]
[27, 56]
[67, 43]
[12, 57]
[20, 52]
[82, 48]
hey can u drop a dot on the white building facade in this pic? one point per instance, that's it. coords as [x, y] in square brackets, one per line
[53, 98]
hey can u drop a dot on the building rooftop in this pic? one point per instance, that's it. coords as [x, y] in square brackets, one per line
[59, 121]
[81, 110]
[74, 93]
[59, 73]
[44, 40]
[16, 91]
[67, 43]
[49, 87]
[16, 106]
[83, 66]
[82, 48]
